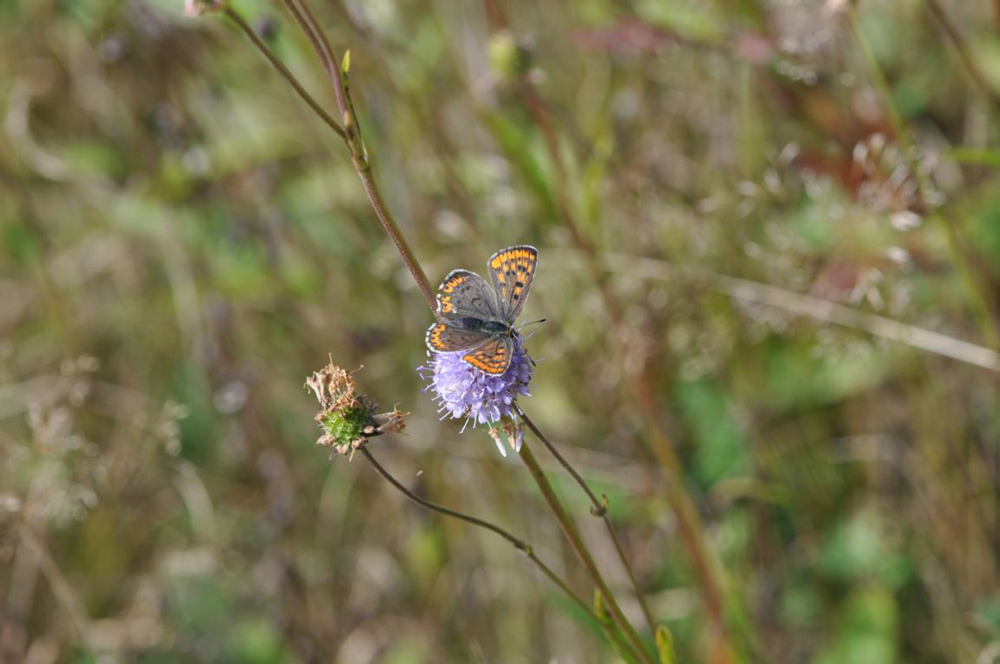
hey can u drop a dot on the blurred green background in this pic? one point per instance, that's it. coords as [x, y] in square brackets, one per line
[794, 204]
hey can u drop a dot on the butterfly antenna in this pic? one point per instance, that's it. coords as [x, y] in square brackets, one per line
[524, 325]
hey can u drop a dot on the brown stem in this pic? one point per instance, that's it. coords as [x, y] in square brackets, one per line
[392, 230]
[307, 22]
[322, 47]
[598, 508]
[580, 548]
[352, 137]
[691, 528]
[287, 75]
[318, 42]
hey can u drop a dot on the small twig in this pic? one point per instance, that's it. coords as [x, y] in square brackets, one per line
[599, 508]
[61, 588]
[300, 10]
[287, 75]
[317, 41]
[819, 309]
[580, 548]
[352, 137]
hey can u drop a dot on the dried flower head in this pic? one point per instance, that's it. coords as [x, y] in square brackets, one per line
[464, 392]
[347, 419]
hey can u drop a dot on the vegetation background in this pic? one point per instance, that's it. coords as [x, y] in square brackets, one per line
[794, 206]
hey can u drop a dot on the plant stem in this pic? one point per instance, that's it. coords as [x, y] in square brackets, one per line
[351, 135]
[518, 544]
[598, 508]
[976, 291]
[691, 528]
[580, 548]
[236, 18]
[359, 155]
[964, 53]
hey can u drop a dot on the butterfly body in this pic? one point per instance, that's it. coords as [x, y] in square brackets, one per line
[479, 320]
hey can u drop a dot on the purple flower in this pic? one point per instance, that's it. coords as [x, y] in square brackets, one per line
[464, 392]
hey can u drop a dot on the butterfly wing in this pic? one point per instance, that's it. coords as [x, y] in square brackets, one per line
[512, 270]
[444, 338]
[465, 294]
[493, 357]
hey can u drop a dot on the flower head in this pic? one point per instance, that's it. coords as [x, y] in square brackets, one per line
[348, 420]
[464, 392]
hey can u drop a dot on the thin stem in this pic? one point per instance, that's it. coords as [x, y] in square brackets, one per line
[691, 527]
[392, 230]
[352, 137]
[580, 548]
[518, 544]
[598, 508]
[309, 25]
[964, 53]
[315, 37]
[283, 70]
[617, 642]
[977, 292]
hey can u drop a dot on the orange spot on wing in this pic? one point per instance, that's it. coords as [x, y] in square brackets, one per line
[449, 286]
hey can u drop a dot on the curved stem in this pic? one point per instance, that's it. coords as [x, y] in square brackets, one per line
[598, 508]
[241, 23]
[351, 135]
[660, 443]
[518, 544]
[307, 22]
[639, 383]
[580, 548]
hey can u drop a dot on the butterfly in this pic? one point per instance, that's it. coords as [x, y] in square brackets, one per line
[479, 320]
